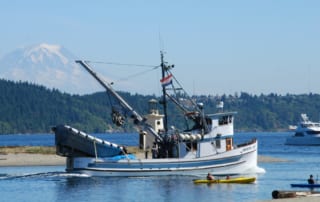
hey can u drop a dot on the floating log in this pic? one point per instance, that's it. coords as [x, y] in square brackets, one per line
[283, 194]
[278, 194]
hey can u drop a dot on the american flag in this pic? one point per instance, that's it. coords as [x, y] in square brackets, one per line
[166, 80]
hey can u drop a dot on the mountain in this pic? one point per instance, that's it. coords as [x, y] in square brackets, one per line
[50, 65]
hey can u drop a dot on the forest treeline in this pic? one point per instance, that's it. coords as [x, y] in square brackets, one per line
[30, 108]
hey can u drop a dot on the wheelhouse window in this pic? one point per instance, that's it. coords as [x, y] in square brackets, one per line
[223, 120]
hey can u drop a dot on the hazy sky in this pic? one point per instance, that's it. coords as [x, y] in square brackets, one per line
[258, 46]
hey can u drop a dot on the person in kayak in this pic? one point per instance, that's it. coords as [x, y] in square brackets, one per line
[210, 177]
[311, 180]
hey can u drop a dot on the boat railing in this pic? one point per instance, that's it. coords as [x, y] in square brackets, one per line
[254, 140]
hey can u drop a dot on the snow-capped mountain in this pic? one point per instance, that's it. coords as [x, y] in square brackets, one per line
[50, 65]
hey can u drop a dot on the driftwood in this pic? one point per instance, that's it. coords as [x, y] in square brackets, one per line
[277, 194]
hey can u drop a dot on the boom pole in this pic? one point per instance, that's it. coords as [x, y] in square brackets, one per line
[138, 119]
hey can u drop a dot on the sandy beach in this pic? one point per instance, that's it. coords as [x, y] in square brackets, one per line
[30, 156]
[25, 159]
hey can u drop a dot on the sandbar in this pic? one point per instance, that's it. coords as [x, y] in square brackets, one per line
[25, 159]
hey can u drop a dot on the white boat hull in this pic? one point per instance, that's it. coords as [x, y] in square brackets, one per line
[238, 161]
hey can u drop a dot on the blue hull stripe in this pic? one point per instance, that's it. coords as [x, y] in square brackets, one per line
[95, 169]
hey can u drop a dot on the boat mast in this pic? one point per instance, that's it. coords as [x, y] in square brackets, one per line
[164, 95]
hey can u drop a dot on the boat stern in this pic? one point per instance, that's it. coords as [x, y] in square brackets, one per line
[74, 164]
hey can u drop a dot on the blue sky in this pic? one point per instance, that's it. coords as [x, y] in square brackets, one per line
[218, 47]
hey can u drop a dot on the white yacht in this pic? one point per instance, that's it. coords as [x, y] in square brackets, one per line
[306, 133]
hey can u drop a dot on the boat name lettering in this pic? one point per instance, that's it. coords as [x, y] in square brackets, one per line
[248, 148]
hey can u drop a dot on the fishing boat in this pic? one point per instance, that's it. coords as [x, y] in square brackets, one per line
[237, 180]
[306, 133]
[205, 145]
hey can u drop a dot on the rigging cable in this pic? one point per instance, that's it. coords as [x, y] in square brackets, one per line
[191, 100]
[123, 64]
[137, 74]
[197, 108]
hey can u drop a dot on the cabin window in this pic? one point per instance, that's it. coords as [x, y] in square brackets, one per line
[158, 122]
[223, 120]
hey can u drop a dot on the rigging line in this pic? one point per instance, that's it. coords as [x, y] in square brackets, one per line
[137, 74]
[122, 64]
[195, 104]
[176, 80]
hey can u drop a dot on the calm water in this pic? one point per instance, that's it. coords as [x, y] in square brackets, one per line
[51, 183]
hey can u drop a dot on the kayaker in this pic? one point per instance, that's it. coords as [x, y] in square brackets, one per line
[311, 180]
[210, 177]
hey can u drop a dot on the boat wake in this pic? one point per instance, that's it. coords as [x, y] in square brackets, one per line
[257, 170]
[42, 175]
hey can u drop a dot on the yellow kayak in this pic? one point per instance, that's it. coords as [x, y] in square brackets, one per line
[240, 180]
